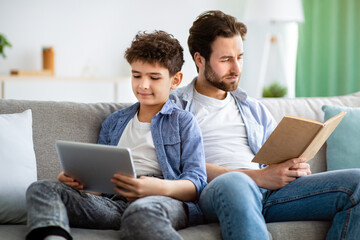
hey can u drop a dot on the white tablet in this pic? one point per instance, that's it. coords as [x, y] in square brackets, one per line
[94, 164]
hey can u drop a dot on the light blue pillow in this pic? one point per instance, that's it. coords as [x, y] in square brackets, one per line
[343, 145]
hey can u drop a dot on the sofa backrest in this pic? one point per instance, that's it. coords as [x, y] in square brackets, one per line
[309, 108]
[82, 121]
[60, 121]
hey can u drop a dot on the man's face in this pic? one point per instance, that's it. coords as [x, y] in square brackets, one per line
[223, 69]
[151, 83]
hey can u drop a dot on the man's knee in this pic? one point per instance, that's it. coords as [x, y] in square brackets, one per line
[234, 182]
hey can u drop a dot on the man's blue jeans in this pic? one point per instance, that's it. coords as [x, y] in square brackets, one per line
[243, 209]
[54, 204]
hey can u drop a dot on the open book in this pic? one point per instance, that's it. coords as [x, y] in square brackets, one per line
[296, 137]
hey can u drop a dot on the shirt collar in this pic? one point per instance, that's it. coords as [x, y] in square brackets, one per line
[167, 108]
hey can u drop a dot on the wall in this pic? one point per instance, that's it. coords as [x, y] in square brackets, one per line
[90, 36]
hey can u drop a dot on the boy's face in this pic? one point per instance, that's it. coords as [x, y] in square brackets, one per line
[151, 83]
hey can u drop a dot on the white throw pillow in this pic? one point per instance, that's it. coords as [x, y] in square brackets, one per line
[17, 165]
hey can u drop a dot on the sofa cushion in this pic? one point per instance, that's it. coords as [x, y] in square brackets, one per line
[297, 230]
[343, 145]
[17, 165]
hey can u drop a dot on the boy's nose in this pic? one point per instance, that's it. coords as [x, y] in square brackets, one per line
[145, 83]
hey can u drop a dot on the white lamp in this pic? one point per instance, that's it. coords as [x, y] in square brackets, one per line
[274, 12]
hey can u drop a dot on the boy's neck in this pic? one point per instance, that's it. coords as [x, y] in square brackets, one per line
[146, 112]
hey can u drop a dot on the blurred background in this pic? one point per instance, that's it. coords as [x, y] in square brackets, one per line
[300, 48]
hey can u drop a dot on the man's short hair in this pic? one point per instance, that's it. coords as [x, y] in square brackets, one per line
[156, 47]
[210, 25]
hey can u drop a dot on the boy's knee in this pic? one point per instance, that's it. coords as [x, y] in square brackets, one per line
[40, 186]
[143, 208]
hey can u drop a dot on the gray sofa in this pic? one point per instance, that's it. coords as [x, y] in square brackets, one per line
[81, 122]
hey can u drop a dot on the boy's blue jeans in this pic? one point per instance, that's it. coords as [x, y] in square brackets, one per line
[51, 203]
[243, 209]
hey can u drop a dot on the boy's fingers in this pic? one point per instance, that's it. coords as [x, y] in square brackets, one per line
[65, 178]
[75, 185]
[121, 184]
[125, 193]
[123, 178]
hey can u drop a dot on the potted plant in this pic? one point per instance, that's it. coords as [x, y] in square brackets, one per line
[274, 90]
[3, 44]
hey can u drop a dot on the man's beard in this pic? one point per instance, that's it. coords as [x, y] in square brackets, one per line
[215, 80]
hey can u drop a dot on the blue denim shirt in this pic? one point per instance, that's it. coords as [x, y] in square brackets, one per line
[258, 121]
[178, 144]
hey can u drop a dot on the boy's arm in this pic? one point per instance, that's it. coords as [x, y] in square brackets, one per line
[62, 177]
[192, 153]
[105, 129]
[183, 190]
[190, 182]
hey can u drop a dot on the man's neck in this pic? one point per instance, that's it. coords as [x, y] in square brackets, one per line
[203, 87]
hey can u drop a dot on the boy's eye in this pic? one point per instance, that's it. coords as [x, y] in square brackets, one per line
[155, 78]
[136, 76]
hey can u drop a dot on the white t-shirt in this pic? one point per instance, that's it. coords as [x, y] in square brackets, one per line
[224, 133]
[137, 136]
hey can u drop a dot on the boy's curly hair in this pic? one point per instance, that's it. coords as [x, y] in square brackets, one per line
[156, 47]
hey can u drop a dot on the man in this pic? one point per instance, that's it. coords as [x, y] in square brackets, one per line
[242, 196]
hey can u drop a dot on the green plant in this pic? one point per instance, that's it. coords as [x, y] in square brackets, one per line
[3, 43]
[274, 90]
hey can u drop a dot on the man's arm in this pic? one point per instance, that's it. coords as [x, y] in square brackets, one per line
[272, 177]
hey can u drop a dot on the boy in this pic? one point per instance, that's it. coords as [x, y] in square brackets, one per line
[168, 154]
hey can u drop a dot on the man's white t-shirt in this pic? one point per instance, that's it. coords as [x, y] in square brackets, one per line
[137, 136]
[224, 133]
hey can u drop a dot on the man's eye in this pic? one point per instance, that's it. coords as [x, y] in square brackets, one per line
[155, 78]
[136, 76]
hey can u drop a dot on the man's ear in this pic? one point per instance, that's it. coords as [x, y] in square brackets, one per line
[199, 60]
[176, 80]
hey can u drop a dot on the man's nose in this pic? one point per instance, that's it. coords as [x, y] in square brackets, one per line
[236, 66]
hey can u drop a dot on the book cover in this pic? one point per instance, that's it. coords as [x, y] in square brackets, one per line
[296, 137]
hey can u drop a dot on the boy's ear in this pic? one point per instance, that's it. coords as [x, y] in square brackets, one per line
[176, 80]
[199, 60]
